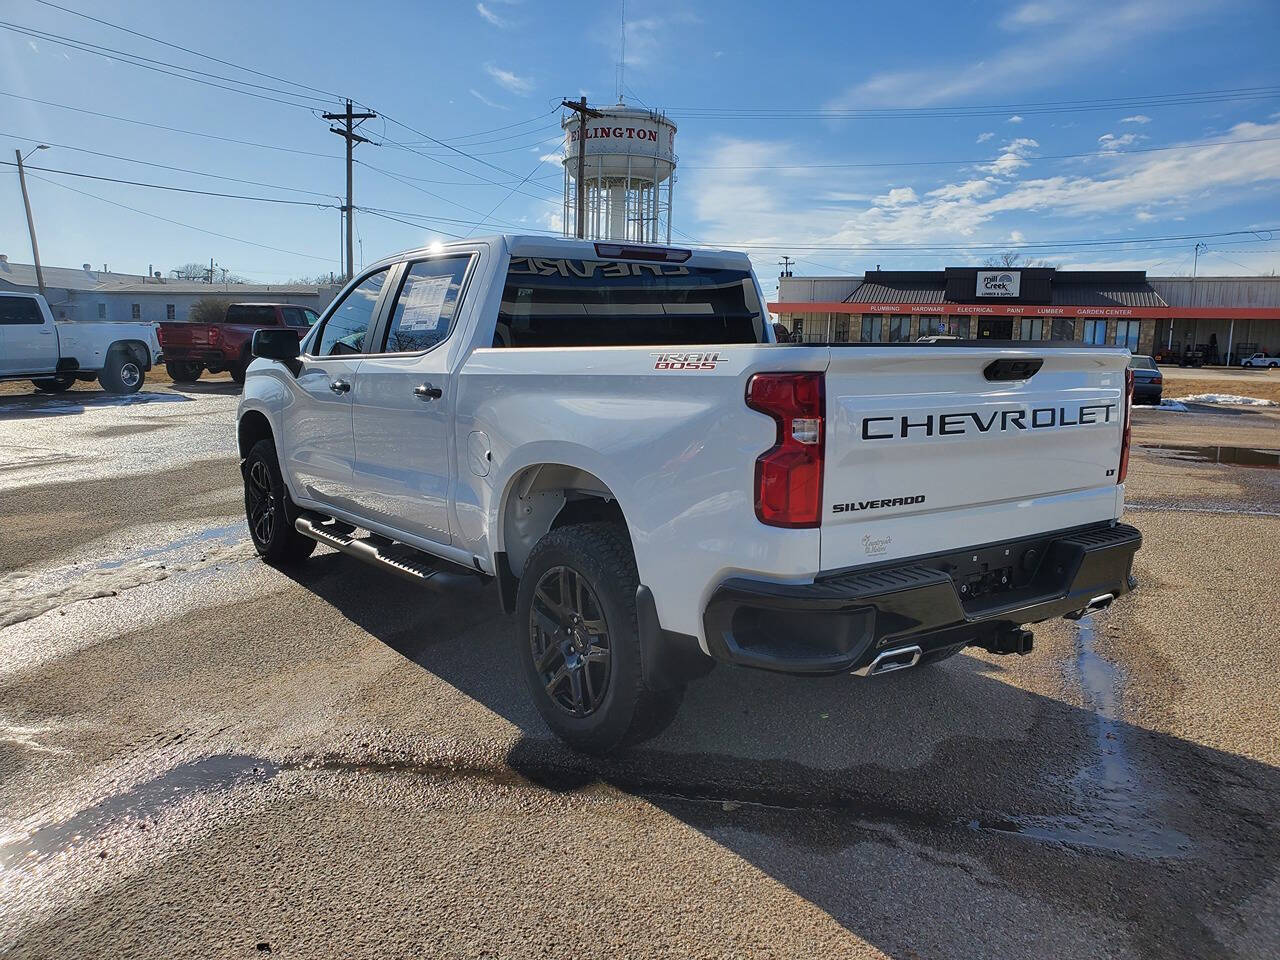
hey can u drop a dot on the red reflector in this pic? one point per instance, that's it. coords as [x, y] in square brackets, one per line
[789, 474]
[1128, 427]
[1157, 380]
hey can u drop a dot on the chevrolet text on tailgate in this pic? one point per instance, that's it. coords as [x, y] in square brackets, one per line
[610, 433]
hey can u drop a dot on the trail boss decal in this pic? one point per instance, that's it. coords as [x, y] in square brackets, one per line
[876, 504]
[922, 425]
[686, 361]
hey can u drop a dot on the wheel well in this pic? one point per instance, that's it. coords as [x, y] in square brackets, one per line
[546, 497]
[253, 427]
[136, 349]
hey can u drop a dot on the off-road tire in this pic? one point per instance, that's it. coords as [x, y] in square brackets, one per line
[122, 373]
[278, 542]
[237, 369]
[59, 384]
[183, 371]
[629, 711]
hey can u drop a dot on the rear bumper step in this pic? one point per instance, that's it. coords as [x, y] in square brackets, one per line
[854, 620]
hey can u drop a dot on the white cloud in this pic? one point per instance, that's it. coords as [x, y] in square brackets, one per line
[1014, 119]
[1088, 32]
[1017, 236]
[1109, 141]
[984, 137]
[492, 17]
[510, 81]
[897, 197]
[1144, 216]
[551, 158]
[485, 100]
[969, 190]
[1035, 15]
[1012, 156]
[1137, 118]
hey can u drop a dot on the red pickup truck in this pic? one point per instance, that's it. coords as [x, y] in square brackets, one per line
[191, 348]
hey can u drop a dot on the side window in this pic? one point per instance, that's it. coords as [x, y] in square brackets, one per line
[344, 332]
[425, 308]
[293, 317]
[310, 316]
[15, 310]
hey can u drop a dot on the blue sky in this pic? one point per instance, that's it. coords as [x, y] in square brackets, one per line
[780, 184]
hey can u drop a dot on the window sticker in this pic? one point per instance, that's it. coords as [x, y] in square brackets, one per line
[424, 302]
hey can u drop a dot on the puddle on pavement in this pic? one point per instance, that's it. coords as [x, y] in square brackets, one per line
[226, 535]
[1118, 810]
[1233, 456]
[138, 804]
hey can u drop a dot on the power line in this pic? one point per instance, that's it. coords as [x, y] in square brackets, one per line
[407, 223]
[165, 166]
[173, 189]
[179, 223]
[147, 63]
[1103, 154]
[939, 112]
[161, 126]
[195, 53]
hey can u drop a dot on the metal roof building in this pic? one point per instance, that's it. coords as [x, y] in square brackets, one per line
[1165, 316]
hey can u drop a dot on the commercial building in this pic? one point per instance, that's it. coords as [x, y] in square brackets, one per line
[1219, 319]
[88, 294]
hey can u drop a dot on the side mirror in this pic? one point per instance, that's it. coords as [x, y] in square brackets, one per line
[279, 344]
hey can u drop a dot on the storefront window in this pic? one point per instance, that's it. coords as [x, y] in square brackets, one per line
[1033, 328]
[1095, 331]
[1063, 330]
[1127, 334]
[932, 326]
[960, 327]
[899, 328]
[871, 328]
[841, 332]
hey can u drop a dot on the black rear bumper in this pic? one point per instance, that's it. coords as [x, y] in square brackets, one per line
[841, 621]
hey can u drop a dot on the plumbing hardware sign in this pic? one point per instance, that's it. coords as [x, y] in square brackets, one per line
[998, 283]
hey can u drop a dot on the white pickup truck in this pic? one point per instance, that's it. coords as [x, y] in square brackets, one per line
[54, 354]
[610, 433]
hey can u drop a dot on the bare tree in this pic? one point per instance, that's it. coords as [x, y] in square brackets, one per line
[208, 310]
[191, 271]
[1011, 259]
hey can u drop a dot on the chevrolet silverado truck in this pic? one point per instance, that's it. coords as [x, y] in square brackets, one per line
[610, 433]
[54, 354]
[190, 348]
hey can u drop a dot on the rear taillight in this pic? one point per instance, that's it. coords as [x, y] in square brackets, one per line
[789, 474]
[1157, 380]
[214, 334]
[1128, 427]
[159, 334]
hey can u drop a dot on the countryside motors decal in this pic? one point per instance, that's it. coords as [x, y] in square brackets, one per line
[926, 426]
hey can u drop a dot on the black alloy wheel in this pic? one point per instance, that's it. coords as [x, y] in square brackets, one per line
[261, 502]
[569, 640]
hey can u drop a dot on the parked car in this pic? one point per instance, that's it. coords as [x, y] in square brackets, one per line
[54, 354]
[1260, 360]
[611, 432]
[191, 348]
[1148, 382]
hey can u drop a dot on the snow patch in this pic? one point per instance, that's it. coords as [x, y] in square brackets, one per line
[1172, 406]
[1230, 399]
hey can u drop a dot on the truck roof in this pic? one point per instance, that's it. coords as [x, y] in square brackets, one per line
[541, 245]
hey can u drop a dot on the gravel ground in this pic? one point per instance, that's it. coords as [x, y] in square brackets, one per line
[201, 756]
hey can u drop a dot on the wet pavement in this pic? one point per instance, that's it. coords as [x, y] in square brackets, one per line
[201, 756]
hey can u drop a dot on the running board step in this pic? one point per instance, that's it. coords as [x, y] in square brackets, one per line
[397, 558]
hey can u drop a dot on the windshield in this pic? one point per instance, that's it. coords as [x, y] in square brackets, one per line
[550, 302]
[1142, 363]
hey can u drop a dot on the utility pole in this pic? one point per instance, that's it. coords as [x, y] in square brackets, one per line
[348, 133]
[31, 224]
[786, 263]
[583, 111]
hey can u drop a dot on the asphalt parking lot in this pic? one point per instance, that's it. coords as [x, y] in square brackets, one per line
[201, 756]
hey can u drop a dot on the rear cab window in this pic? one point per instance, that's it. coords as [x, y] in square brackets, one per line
[426, 305]
[557, 302]
[254, 315]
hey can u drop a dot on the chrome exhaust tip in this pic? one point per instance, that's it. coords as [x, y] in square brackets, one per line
[902, 658]
[1093, 606]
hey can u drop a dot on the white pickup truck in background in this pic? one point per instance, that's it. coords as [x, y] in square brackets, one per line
[612, 434]
[54, 354]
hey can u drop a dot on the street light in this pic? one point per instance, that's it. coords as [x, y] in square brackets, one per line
[26, 202]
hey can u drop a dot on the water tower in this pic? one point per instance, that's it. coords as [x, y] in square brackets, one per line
[628, 173]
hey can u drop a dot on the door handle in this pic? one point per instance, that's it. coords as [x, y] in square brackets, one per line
[340, 386]
[426, 391]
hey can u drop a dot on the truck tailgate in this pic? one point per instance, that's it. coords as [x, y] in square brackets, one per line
[928, 449]
[182, 335]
